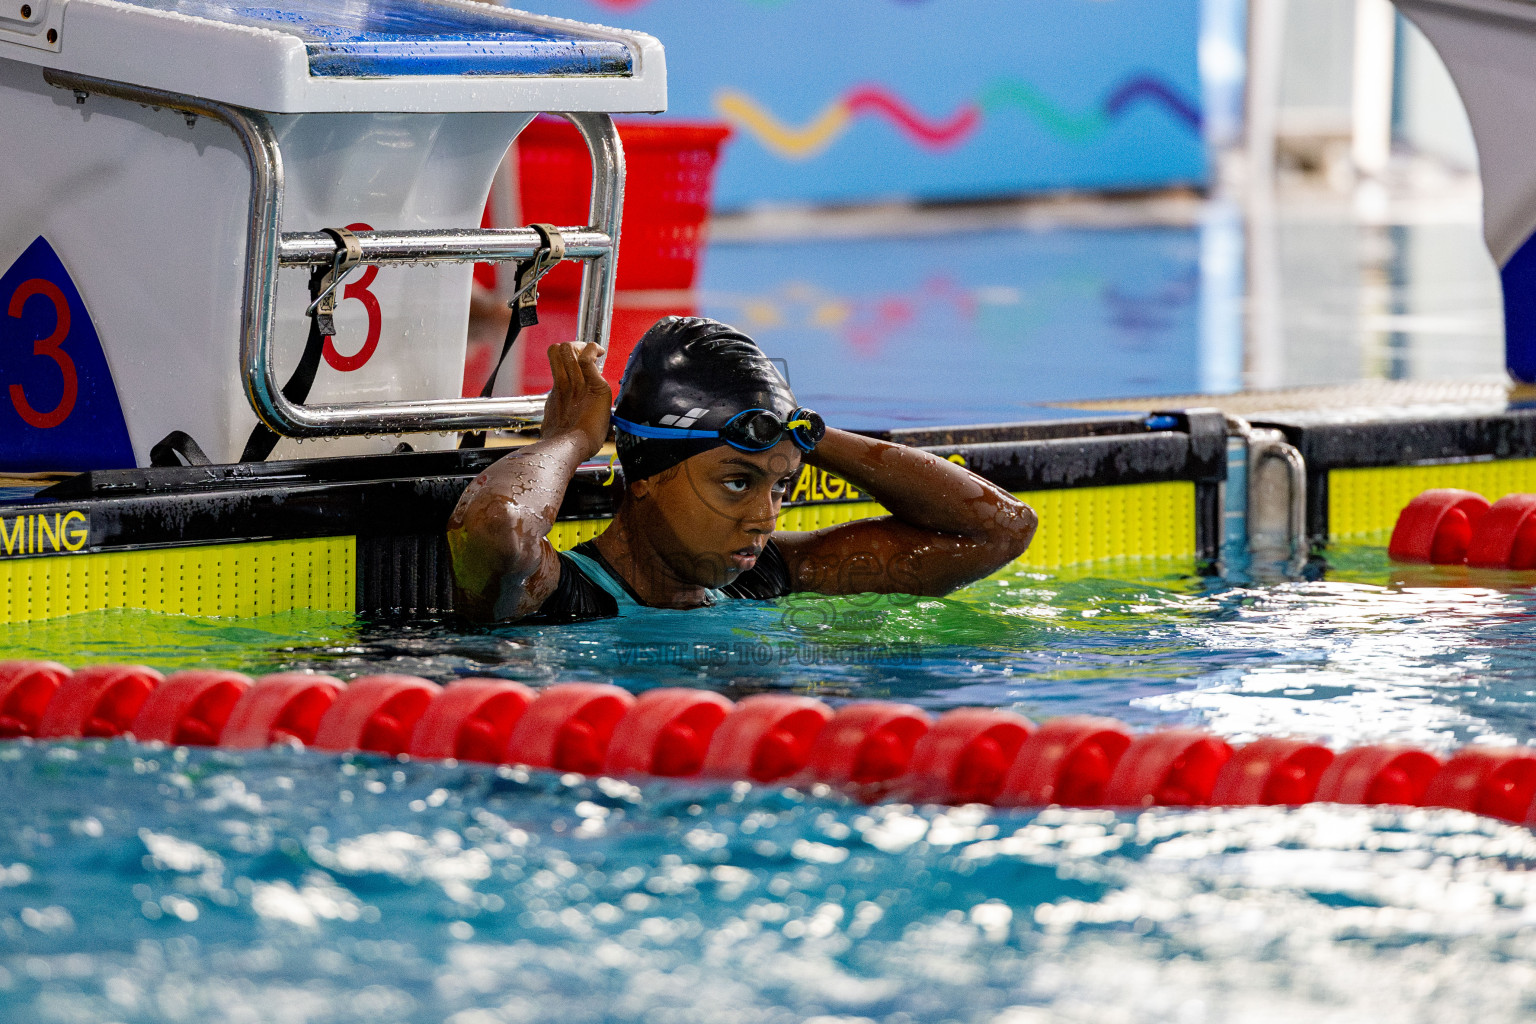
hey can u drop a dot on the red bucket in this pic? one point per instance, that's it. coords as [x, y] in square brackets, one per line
[670, 171]
[670, 167]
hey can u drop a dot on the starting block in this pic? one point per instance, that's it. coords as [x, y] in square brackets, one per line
[177, 171]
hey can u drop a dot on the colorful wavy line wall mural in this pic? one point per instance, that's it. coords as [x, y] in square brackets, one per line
[864, 100]
[810, 139]
[628, 5]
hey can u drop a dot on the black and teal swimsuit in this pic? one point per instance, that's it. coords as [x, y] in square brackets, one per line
[589, 588]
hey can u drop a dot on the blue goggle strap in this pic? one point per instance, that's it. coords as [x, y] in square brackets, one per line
[661, 433]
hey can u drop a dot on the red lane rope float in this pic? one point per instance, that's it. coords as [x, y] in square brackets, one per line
[867, 743]
[767, 737]
[98, 701]
[26, 688]
[1377, 775]
[965, 757]
[471, 720]
[568, 727]
[1505, 538]
[1176, 768]
[1446, 526]
[666, 733]
[1067, 761]
[1437, 527]
[280, 708]
[875, 748]
[1499, 783]
[1271, 771]
[190, 708]
[376, 714]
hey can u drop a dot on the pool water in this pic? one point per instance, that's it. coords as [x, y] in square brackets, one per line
[143, 883]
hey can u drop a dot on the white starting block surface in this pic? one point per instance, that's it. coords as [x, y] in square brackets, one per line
[123, 228]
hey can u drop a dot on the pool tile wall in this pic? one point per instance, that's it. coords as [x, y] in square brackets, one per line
[1077, 526]
[1363, 503]
[243, 579]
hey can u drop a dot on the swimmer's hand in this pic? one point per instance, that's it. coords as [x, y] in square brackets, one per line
[498, 536]
[580, 402]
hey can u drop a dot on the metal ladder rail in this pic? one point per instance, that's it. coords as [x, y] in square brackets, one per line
[1266, 519]
[267, 250]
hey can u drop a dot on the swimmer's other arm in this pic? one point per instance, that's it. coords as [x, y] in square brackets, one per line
[503, 564]
[947, 527]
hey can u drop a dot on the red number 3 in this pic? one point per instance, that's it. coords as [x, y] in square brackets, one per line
[359, 290]
[49, 347]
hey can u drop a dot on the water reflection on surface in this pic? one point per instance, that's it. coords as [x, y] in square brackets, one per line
[145, 884]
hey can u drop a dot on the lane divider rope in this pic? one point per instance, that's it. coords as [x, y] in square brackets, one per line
[1449, 526]
[874, 750]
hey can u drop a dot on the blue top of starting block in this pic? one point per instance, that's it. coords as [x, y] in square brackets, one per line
[391, 38]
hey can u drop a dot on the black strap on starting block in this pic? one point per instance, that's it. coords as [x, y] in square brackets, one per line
[178, 448]
[524, 306]
[322, 324]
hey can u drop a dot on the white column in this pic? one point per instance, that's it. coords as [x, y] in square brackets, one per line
[1264, 359]
[1375, 50]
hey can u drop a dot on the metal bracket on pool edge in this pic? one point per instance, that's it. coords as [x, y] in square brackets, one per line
[267, 249]
[1274, 498]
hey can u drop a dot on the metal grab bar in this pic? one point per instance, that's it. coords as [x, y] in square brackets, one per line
[1275, 505]
[266, 248]
[314, 249]
[1281, 529]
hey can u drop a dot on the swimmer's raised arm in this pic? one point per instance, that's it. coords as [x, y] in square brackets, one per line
[947, 527]
[503, 564]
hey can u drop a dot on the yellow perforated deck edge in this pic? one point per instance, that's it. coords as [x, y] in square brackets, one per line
[1366, 502]
[251, 578]
[1079, 526]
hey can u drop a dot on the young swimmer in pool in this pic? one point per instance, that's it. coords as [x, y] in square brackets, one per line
[710, 439]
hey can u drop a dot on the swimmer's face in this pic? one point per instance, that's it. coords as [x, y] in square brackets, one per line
[711, 515]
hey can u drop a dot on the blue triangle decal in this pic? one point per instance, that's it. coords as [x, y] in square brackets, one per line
[58, 405]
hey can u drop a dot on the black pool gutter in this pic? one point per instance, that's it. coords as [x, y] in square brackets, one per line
[398, 505]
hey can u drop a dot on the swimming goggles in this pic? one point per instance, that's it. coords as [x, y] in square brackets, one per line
[751, 430]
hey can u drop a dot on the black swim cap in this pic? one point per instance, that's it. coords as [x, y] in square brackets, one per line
[694, 373]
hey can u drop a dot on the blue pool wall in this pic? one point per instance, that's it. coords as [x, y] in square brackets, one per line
[1068, 94]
